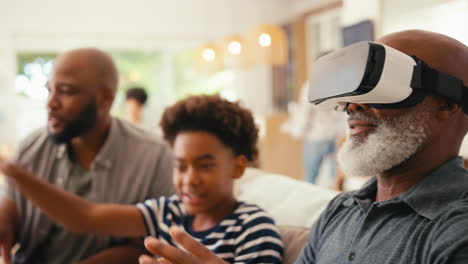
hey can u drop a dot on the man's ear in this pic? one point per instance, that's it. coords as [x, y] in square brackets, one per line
[106, 97]
[447, 109]
[241, 163]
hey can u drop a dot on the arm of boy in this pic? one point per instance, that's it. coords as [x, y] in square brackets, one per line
[75, 213]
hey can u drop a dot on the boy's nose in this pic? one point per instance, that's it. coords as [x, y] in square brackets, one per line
[192, 177]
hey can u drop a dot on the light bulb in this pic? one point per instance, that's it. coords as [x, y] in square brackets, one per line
[235, 47]
[209, 54]
[264, 40]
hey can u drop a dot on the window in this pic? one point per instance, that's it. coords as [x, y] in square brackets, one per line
[33, 72]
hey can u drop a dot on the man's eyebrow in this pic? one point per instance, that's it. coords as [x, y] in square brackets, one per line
[62, 84]
[71, 85]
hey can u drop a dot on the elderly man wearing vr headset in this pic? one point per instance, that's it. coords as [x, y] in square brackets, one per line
[407, 102]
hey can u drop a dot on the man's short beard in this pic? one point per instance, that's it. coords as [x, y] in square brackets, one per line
[394, 141]
[84, 122]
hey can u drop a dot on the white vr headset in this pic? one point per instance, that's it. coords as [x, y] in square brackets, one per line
[379, 76]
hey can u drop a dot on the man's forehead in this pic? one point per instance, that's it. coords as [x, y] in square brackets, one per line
[73, 67]
[438, 51]
[67, 62]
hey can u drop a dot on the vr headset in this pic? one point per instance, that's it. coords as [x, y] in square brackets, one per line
[381, 77]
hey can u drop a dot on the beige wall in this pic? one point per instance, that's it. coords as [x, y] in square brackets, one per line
[279, 152]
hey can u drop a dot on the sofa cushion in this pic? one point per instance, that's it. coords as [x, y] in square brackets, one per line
[294, 239]
[289, 201]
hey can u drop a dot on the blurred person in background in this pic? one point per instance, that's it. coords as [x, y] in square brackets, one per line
[135, 100]
[321, 130]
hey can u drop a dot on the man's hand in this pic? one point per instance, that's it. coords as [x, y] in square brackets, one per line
[3, 164]
[198, 253]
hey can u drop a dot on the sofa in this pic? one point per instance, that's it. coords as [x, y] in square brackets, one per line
[295, 205]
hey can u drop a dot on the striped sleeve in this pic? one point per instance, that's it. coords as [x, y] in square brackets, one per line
[260, 241]
[158, 214]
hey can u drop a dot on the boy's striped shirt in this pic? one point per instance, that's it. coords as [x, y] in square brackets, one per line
[248, 235]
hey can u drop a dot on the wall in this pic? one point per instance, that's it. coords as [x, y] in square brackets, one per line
[279, 152]
[443, 16]
[301, 7]
[355, 11]
[7, 71]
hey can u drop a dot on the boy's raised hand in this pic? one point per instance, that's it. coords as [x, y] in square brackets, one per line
[10, 169]
[197, 253]
[4, 165]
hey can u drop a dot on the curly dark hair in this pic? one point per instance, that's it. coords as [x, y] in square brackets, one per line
[138, 94]
[230, 122]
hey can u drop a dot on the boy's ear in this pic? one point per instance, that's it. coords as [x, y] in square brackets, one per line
[241, 163]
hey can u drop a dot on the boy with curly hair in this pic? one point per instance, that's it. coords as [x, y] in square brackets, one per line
[212, 140]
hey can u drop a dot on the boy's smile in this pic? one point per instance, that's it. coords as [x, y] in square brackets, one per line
[192, 199]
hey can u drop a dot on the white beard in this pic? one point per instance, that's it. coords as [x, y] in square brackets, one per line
[395, 140]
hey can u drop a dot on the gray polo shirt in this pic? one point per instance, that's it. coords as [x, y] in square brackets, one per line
[428, 224]
[132, 166]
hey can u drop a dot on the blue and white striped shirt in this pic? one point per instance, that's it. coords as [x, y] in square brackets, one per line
[248, 235]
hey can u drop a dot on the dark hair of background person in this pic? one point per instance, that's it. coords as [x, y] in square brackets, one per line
[231, 123]
[137, 93]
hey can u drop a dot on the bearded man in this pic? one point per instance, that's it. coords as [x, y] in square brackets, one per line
[85, 151]
[415, 209]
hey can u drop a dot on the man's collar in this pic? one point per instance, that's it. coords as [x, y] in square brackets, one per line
[436, 191]
[432, 194]
[365, 196]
